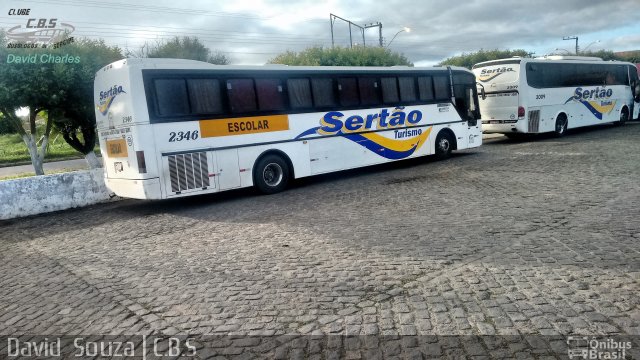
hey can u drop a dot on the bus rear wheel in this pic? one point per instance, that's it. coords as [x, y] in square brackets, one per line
[271, 174]
[624, 116]
[444, 145]
[561, 125]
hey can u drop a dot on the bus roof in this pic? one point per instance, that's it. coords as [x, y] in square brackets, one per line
[183, 64]
[552, 58]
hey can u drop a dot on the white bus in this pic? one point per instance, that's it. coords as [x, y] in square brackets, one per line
[170, 128]
[555, 93]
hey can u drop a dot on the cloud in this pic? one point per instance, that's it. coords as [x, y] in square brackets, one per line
[253, 31]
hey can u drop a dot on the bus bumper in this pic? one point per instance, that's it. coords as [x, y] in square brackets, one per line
[504, 126]
[135, 189]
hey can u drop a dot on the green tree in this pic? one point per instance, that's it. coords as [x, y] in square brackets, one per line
[604, 54]
[469, 59]
[339, 56]
[61, 92]
[631, 56]
[33, 86]
[5, 126]
[185, 47]
[77, 115]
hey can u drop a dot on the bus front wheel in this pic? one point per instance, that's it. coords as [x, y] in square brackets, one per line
[561, 126]
[271, 174]
[444, 145]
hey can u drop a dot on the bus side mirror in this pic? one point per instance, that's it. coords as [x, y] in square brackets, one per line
[483, 95]
[636, 91]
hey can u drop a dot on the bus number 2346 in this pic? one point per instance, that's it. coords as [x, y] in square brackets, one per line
[183, 135]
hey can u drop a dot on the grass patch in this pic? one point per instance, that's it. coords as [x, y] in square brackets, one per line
[13, 151]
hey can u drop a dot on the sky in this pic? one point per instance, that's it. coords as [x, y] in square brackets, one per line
[252, 32]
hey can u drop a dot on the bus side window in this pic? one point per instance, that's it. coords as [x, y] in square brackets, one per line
[408, 89]
[369, 91]
[323, 92]
[171, 97]
[621, 76]
[389, 90]
[348, 91]
[270, 94]
[441, 86]
[242, 96]
[205, 96]
[425, 86]
[299, 93]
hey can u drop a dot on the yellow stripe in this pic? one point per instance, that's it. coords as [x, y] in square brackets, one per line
[603, 109]
[399, 145]
[246, 125]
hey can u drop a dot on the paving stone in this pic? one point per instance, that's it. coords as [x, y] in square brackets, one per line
[516, 237]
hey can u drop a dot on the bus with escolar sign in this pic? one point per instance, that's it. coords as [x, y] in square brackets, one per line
[170, 128]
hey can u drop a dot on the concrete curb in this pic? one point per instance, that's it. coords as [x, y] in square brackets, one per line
[42, 194]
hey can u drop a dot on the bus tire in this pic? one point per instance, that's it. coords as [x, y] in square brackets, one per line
[561, 125]
[271, 174]
[444, 145]
[624, 116]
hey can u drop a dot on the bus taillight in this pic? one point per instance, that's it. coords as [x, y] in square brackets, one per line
[521, 111]
[142, 165]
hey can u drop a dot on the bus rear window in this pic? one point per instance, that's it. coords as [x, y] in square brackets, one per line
[270, 94]
[348, 90]
[171, 96]
[205, 96]
[407, 89]
[299, 93]
[425, 85]
[242, 96]
[323, 94]
[369, 91]
[441, 86]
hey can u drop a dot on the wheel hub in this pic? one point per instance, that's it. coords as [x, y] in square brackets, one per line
[272, 174]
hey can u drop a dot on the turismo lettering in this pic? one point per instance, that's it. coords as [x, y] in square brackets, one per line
[332, 122]
[597, 93]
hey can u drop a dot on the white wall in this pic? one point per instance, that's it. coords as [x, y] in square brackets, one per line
[42, 194]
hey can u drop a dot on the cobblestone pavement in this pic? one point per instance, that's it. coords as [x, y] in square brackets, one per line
[517, 237]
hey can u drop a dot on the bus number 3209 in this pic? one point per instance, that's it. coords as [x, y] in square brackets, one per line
[183, 135]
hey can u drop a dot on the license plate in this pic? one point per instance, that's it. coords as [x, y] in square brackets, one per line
[117, 148]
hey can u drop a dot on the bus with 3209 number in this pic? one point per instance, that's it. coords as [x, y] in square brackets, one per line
[169, 128]
[556, 93]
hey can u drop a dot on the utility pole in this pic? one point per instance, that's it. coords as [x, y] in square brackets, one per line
[379, 26]
[572, 38]
[332, 20]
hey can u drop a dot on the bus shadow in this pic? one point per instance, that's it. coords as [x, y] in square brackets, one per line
[216, 206]
[570, 134]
